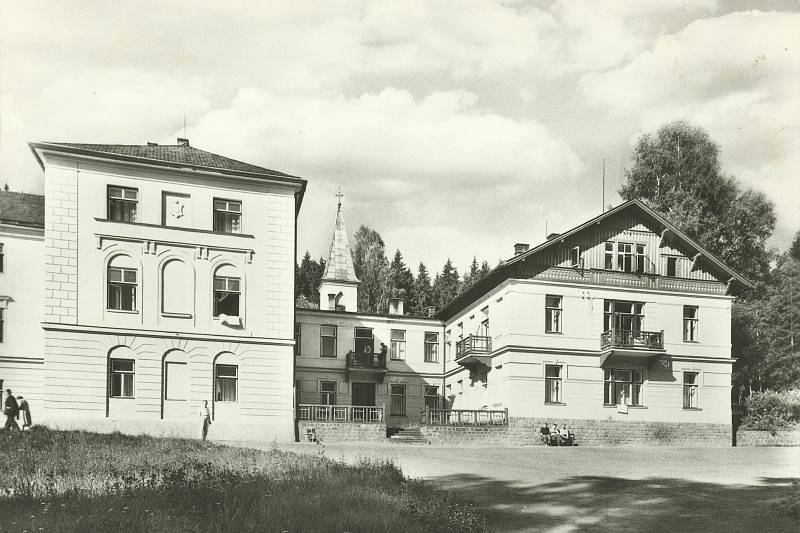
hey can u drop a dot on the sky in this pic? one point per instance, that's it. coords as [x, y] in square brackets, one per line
[454, 128]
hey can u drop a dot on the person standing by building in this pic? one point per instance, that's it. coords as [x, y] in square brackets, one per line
[205, 414]
[25, 411]
[11, 410]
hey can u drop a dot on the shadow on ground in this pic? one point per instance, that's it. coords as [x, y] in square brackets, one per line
[591, 503]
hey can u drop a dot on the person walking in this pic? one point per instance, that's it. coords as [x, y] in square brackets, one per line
[11, 410]
[25, 411]
[205, 414]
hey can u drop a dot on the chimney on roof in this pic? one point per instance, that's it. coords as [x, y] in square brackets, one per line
[431, 311]
[151, 143]
[396, 306]
[521, 248]
[183, 142]
[553, 236]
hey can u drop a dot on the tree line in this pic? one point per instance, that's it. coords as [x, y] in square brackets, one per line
[382, 279]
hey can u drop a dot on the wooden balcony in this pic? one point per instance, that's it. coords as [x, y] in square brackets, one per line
[615, 278]
[474, 349]
[464, 417]
[631, 343]
[369, 363]
[340, 413]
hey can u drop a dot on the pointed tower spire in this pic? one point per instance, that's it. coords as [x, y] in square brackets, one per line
[339, 288]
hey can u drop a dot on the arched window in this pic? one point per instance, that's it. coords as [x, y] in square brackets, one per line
[121, 372]
[227, 291]
[226, 378]
[177, 288]
[122, 282]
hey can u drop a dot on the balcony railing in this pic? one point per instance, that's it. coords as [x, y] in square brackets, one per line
[375, 361]
[464, 417]
[340, 413]
[642, 340]
[473, 345]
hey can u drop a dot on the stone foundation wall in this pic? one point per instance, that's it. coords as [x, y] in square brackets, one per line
[525, 432]
[466, 436]
[748, 437]
[342, 431]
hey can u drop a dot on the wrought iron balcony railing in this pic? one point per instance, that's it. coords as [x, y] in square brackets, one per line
[642, 340]
[368, 361]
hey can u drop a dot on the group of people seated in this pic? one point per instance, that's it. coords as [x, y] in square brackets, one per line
[556, 436]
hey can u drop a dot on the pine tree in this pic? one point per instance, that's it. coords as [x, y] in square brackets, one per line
[372, 268]
[422, 292]
[400, 279]
[308, 277]
[446, 285]
[472, 276]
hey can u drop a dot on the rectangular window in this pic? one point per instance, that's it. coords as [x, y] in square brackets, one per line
[431, 347]
[690, 323]
[398, 400]
[227, 216]
[552, 377]
[609, 256]
[327, 392]
[398, 348]
[363, 341]
[625, 257]
[122, 204]
[641, 259]
[448, 347]
[575, 256]
[297, 338]
[327, 341]
[623, 387]
[2, 257]
[672, 264]
[552, 314]
[121, 289]
[623, 316]
[226, 296]
[2, 324]
[226, 382]
[690, 392]
[431, 397]
[122, 378]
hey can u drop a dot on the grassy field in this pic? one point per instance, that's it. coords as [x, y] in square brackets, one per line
[76, 481]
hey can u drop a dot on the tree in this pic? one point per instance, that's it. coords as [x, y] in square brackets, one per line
[400, 279]
[422, 292]
[471, 276]
[794, 249]
[677, 172]
[780, 368]
[308, 277]
[372, 268]
[446, 285]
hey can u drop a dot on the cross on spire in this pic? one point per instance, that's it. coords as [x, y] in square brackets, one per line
[339, 196]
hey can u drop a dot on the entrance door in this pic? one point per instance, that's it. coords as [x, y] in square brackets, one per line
[364, 394]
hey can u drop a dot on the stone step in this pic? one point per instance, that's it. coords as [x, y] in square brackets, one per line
[408, 436]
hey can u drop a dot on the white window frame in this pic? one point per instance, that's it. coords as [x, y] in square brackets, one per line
[227, 210]
[328, 397]
[691, 330]
[232, 285]
[431, 393]
[609, 255]
[554, 384]
[226, 379]
[692, 397]
[128, 197]
[674, 261]
[357, 337]
[298, 337]
[553, 314]
[399, 408]
[635, 387]
[397, 340]
[575, 256]
[323, 336]
[431, 347]
[124, 375]
[122, 285]
[640, 258]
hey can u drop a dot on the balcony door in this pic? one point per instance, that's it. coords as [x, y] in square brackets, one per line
[363, 394]
[623, 316]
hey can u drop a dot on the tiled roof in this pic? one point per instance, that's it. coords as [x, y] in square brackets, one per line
[181, 154]
[22, 209]
[340, 260]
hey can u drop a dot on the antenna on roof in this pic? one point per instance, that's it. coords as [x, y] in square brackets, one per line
[184, 124]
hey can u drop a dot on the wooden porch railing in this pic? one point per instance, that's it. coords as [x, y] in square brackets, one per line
[340, 413]
[464, 417]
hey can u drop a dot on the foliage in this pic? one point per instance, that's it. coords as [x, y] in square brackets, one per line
[372, 268]
[475, 273]
[77, 481]
[678, 173]
[446, 285]
[794, 249]
[400, 279]
[301, 302]
[771, 410]
[308, 277]
[422, 294]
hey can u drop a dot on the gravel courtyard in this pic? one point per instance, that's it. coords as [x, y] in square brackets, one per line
[607, 489]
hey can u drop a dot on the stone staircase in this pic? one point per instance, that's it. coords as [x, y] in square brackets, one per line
[408, 436]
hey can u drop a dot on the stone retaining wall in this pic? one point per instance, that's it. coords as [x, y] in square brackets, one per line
[342, 431]
[749, 437]
[466, 435]
[525, 432]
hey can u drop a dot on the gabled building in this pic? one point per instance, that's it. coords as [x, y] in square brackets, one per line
[622, 318]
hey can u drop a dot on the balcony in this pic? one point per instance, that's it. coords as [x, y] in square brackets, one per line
[473, 350]
[366, 363]
[643, 344]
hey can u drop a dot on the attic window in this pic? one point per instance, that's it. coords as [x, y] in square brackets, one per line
[575, 256]
[672, 264]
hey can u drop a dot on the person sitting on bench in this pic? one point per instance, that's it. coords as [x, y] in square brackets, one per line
[555, 436]
[544, 434]
[564, 433]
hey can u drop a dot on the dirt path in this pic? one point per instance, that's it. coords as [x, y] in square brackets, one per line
[607, 489]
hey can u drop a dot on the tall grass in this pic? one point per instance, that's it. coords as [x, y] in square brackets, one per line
[77, 481]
